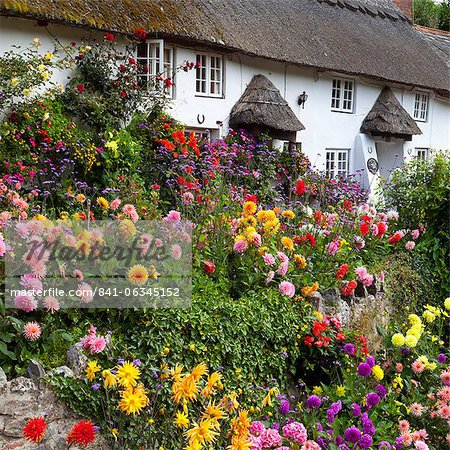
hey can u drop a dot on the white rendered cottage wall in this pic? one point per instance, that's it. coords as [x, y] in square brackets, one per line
[325, 129]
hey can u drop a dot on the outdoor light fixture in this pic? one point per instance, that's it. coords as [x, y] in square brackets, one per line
[302, 99]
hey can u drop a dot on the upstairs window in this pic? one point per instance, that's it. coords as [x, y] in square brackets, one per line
[422, 153]
[342, 94]
[154, 65]
[421, 106]
[336, 163]
[209, 75]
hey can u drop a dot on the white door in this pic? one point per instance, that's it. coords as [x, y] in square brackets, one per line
[390, 156]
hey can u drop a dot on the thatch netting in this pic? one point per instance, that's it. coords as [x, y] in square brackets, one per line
[356, 37]
[388, 118]
[262, 104]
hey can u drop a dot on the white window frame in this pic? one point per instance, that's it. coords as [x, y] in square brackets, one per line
[200, 133]
[208, 79]
[422, 152]
[157, 63]
[335, 162]
[342, 95]
[421, 102]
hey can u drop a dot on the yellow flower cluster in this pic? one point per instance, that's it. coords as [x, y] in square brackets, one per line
[86, 155]
[307, 291]
[240, 438]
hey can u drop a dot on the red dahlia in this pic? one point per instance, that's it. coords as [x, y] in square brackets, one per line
[82, 434]
[35, 429]
[300, 188]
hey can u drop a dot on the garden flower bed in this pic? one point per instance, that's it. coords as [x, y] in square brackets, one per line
[250, 363]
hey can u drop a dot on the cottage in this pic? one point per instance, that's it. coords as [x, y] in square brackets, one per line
[351, 82]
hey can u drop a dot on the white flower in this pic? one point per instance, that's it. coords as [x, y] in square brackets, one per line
[36, 42]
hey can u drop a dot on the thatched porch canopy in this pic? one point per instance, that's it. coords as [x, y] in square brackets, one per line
[262, 105]
[388, 118]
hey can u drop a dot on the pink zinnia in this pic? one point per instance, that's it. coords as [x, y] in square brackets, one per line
[97, 344]
[282, 270]
[287, 288]
[115, 204]
[368, 280]
[32, 331]
[270, 276]
[310, 445]
[295, 431]
[282, 257]
[51, 303]
[415, 234]
[173, 216]
[410, 245]
[271, 438]
[416, 409]
[403, 426]
[25, 302]
[240, 246]
[417, 366]
[176, 251]
[128, 209]
[269, 260]
[445, 377]
[361, 272]
[444, 412]
[420, 445]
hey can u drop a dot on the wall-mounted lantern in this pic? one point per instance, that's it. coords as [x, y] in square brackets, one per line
[302, 99]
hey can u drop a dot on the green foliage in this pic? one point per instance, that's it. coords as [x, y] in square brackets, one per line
[432, 14]
[420, 191]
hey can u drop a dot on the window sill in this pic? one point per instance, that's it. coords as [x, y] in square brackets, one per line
[209, 96]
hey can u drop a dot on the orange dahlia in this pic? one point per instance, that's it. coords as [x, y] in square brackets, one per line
[35, 429]
[82, 434]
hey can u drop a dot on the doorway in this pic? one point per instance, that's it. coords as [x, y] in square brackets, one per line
[390, 156]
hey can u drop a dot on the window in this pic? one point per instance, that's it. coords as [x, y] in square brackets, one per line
[209, 75]
[342, 95]
[155, 59]
[293, 145]
[200, 134]
[421, 106]
[336, 163]
[422, 153]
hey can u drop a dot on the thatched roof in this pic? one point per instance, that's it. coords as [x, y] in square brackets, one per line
[388, 118]
[358, 37]
[440, 40]
[262, 104]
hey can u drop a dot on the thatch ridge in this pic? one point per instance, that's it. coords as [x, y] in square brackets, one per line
[262, 104]
[356, 37]
[388, 118]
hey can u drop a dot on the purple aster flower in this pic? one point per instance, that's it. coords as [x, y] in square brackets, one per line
[120, 361]
[339, 440]
[370, 360]
[382, 391]
[137, 362]
[364, 370]
[383, 445]
[441, 358]
[365, 441]
[95, 387]
[349, 349]
[372, 399]
[356, 409]
[336, 407]
[352, 434]
[284, 407]
[313, 402]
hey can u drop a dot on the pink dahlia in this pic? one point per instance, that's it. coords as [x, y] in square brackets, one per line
[51, 303]
[32, 331]
[271, 438]
[25, 302]
[287, 288]
[240, 246]
[295, 431]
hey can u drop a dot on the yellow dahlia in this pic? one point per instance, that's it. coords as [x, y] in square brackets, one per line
[127, 374]
[138, 275]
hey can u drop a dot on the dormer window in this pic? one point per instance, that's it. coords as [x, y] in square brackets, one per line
[155, 64]
[342, 94]
[421, 106]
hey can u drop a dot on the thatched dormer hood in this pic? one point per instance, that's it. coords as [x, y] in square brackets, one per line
[388, 118]
[262, 105]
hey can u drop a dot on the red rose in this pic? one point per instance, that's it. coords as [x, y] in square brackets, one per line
[123, 94]
[140, 33]
[109, 37]
[80, 87]
[300, 189]
[209, 267]
[132, 61]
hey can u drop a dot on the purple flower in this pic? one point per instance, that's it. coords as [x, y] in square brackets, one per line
[336, 407]
[372, 399]
[370, 360]
[349, 349]
[284, 407]
[137, 362]
[313, 402]
[356, 409]
[120, 361]
[382, 391]
[383, 445]
[368, 427]
[352, 434]
[339, 439]
[365, 441]
[441, 358]
[364, 370]
[95, 387]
